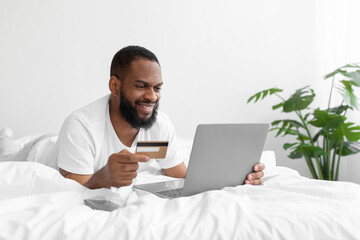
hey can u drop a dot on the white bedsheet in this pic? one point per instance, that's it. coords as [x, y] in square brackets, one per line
[36, 202]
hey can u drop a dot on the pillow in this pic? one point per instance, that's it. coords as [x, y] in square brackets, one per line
[19, 179]
[185, 145]
[44, 151]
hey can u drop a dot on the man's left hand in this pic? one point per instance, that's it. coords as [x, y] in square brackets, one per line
[254, 177]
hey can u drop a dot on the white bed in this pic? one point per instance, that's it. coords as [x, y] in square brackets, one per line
[36, 202]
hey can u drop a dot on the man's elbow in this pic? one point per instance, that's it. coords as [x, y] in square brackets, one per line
[178, 171]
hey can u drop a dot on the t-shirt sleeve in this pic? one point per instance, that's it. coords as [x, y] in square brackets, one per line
[173, 156]
[75, 147]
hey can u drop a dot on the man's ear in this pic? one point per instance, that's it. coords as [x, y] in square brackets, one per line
[114, 85]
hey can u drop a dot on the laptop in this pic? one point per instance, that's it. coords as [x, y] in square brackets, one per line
[222, 156]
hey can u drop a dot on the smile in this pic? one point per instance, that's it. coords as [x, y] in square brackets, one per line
[146, 108]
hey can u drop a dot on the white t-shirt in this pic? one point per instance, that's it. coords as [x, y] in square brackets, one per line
[87, 139]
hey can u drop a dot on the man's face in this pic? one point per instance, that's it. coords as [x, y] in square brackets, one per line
[140, 93]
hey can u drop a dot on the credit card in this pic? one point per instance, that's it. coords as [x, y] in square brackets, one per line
[153, 149]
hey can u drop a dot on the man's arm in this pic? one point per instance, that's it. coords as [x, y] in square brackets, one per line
[99, 179]
[82, 179]
[92, 181]
[178, 171]
[119, 171]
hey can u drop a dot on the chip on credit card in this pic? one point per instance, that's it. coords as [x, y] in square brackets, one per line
[153, 149]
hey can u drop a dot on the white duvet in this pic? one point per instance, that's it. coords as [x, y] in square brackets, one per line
[36, 202]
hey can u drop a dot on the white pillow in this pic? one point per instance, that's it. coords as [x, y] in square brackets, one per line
[185, 145]
[26, 178]
[44, 152]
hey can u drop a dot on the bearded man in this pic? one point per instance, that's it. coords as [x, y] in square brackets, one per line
[96, 143]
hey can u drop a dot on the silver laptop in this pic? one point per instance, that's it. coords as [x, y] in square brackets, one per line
[222, 156]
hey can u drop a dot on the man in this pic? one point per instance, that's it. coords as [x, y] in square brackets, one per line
[96, 143]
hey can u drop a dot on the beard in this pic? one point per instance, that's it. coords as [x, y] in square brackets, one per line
[131, 115]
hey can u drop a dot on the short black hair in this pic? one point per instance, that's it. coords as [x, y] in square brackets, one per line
[122, 60]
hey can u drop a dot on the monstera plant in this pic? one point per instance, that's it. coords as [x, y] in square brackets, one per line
[321, 136]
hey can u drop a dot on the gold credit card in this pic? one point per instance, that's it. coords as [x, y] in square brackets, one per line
[153, 149]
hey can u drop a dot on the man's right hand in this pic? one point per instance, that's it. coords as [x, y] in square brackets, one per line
[121, 168]
[119, 171]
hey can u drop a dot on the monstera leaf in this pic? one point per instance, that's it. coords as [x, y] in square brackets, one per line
[263, 94]
[340, 109]
[300, 100]
[342, 70]
[346, 90]
[306, 149]
[352, 132]
[346, 87]
[288, 127]
[349, 148]
[355, 78]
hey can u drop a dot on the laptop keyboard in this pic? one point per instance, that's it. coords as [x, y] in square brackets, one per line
[173, 193]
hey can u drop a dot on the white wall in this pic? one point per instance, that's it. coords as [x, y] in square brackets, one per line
[339, 43]
[55, 57]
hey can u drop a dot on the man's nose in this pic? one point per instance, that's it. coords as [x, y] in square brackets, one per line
[150, 95]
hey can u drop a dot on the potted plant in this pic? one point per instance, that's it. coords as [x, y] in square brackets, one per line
[322, 136]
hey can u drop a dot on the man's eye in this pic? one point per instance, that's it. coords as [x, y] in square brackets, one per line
[157, 89]
[140, 86]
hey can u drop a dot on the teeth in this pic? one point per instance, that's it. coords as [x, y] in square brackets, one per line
[146, 106]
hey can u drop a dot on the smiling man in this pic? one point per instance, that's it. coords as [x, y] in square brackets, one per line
[96, 143]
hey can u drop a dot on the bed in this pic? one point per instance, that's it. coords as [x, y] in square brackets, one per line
[36, 202]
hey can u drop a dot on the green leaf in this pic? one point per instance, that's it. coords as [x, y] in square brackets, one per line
[334, 122]
[311, 150]
[334, 127]
[288, 127]
[351, 65]
[274, 90]
[339, 109]
[289, 145]
[263, 94]
[295, 155]
[341, 70]
[352, 133]
[287, 131]
[300, 100]
[254, 96]
[287, 122]
[306, 116]
[355, 78]
[348, 93]
[302, 138]
[349, 148]
[320, 118]
[276, 122]
[328, 122]
[278, 106]
[329, 75]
